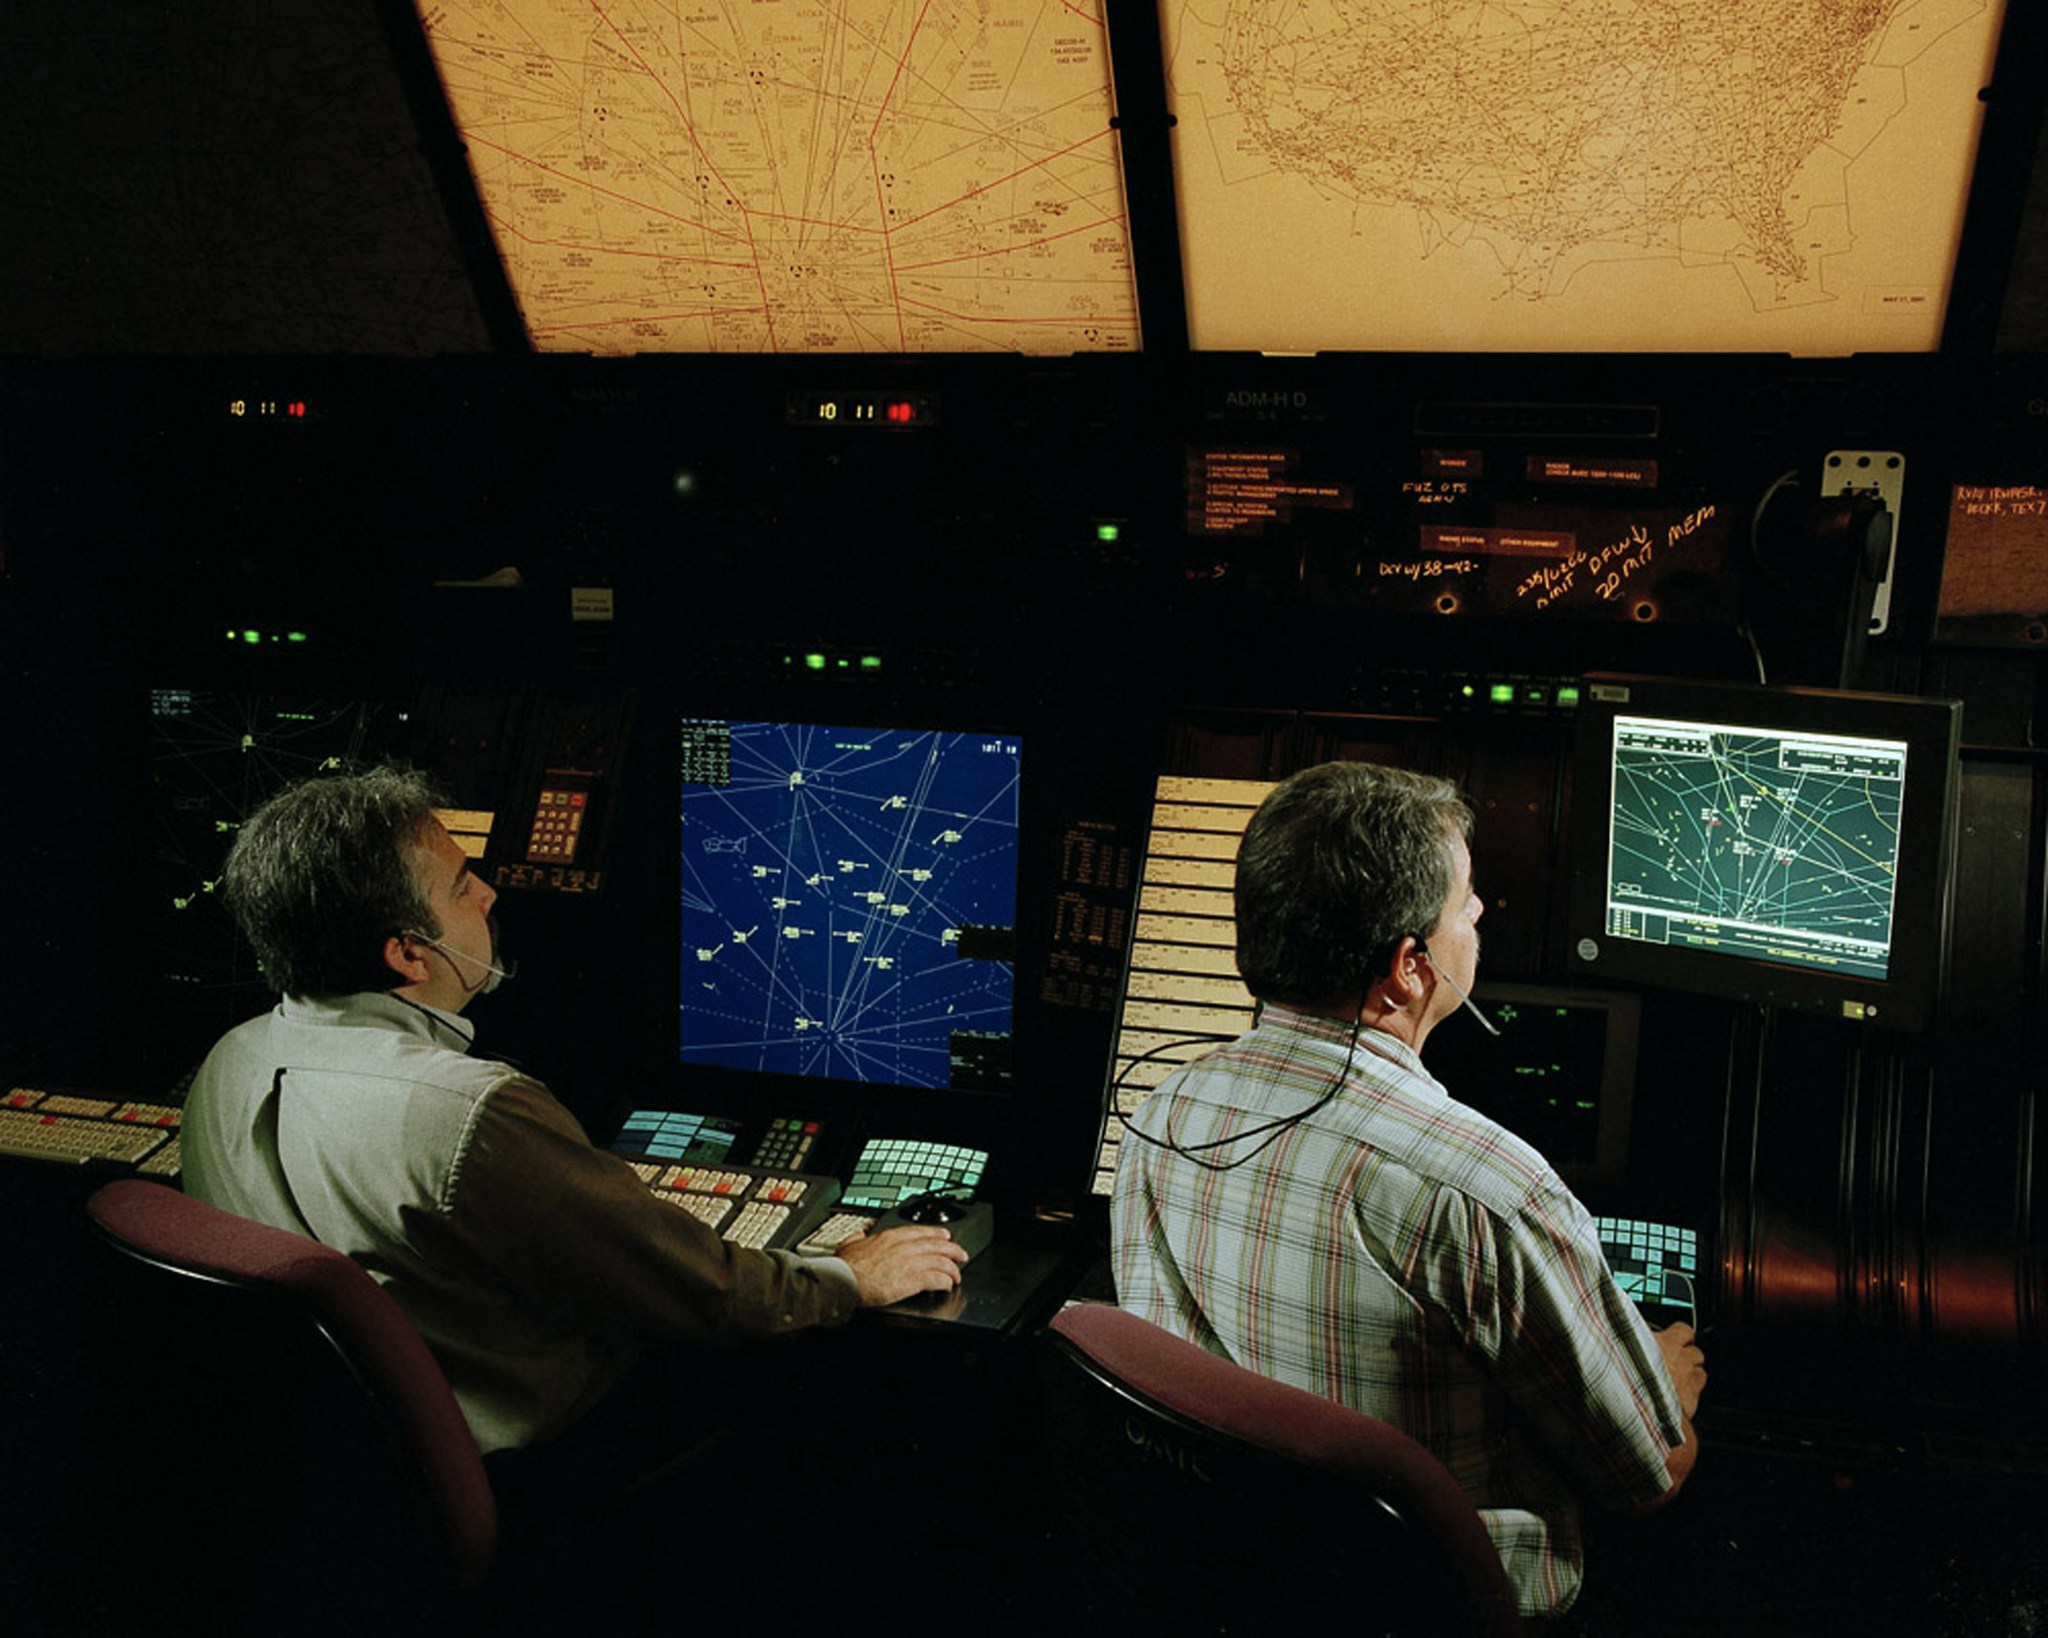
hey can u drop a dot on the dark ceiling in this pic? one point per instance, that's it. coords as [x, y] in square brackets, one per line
[218, 178]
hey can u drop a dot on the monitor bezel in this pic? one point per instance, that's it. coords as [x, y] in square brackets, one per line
[1909, 997]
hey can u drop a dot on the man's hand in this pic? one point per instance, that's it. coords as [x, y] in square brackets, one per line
[901, 1262]
[1688, 1370]
[1685, 1362]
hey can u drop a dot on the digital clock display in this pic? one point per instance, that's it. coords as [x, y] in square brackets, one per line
[863, 409]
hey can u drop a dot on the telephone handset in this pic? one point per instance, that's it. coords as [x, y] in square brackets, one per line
[574, 758]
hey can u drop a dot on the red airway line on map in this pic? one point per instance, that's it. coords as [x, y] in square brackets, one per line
[588, 186]
[738, 263]
[969, 320]
[996, 182]
[984, 255]
[881, 206]
[682, 114]
[572, 328]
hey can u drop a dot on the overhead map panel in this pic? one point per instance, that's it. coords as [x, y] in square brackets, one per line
[1605, 175]
[830, 176]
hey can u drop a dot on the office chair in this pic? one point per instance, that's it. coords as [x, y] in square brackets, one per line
[303, 1465]
[1191, 1495]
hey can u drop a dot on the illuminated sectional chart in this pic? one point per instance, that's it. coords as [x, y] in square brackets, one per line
[1775, 845]
[848, 901]
[837, 176]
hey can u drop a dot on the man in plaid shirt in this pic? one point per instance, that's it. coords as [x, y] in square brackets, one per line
[1309, 1202]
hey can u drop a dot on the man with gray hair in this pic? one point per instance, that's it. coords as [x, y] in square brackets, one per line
[1309, 1202]
[534, 1264]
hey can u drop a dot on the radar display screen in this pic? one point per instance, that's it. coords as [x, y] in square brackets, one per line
[849, 901]
[1777, 845]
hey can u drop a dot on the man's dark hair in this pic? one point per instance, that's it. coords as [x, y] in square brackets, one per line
[1340, 863]
[320, 877]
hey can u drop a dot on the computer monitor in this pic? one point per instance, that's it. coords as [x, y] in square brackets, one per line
[1560, 1074]
[1786, 846]
[849, 901]
[215, 756]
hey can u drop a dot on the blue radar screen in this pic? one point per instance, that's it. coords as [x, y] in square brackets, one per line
[849, 902]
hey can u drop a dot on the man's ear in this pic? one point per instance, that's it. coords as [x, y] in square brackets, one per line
[1402, 982]
[404, 958]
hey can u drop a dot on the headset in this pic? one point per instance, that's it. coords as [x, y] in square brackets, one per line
[493, 975]
[1270, 1132]
[1196, 1152]
[1485, 1023]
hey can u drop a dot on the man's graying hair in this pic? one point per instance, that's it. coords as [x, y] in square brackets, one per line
[320, 877]
[1339, 864]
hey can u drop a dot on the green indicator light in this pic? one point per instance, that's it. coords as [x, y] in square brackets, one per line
[295, 636]
[814, 662]
[1108, 533]
[1502, 693]
[252, 636]
[871, 662]
[1467, 691]
[1568, 694]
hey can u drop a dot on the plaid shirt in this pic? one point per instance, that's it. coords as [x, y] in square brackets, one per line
[1402, 1254]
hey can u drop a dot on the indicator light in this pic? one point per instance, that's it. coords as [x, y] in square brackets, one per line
[253, 637]
[1501, 694]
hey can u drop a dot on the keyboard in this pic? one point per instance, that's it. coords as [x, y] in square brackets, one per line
[167, 1162]
[787, 1143]
[748, 1205]
[893, 1170]
[673, 1134]
[834, 1232]
[1656, 1265]
[78, 1131]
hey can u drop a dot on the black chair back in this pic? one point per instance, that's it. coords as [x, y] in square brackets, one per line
[1189, 1495]
[301, 1464]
